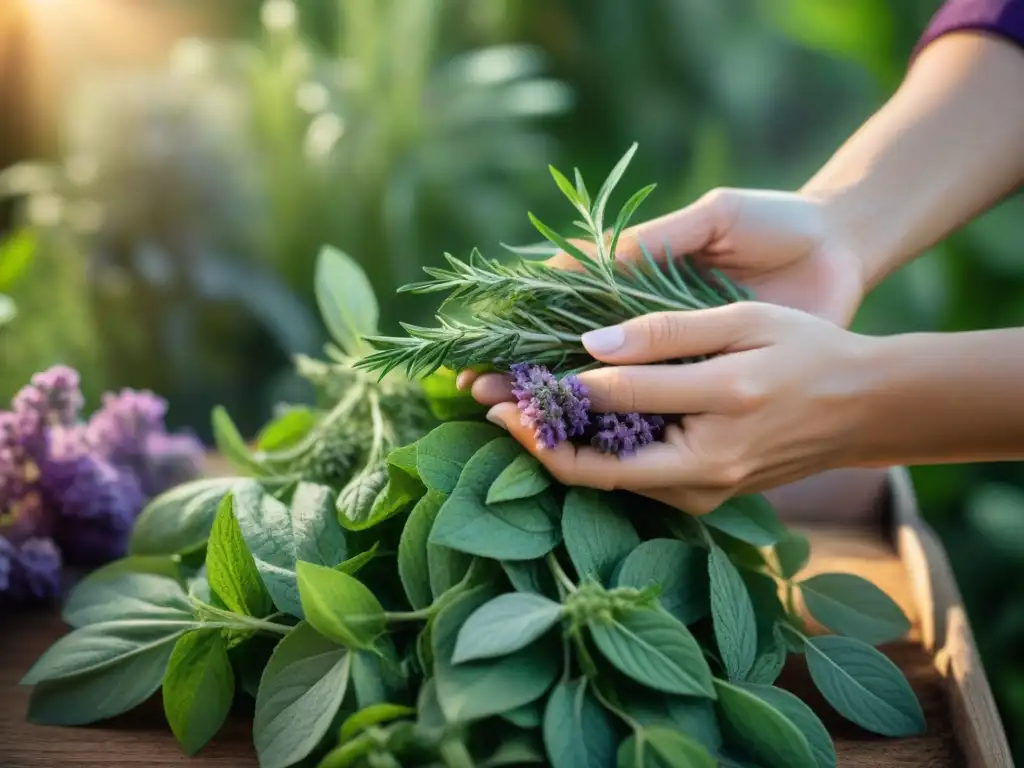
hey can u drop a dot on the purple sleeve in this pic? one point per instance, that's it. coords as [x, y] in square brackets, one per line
[1004, 18]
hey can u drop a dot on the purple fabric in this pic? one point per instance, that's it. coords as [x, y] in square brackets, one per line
[1004, 18]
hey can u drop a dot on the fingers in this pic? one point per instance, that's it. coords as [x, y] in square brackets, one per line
[492, 388]
[705, 387]
[688, 230]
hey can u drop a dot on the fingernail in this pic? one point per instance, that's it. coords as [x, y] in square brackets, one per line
[494, 419]
[463, 380]
[604, 340]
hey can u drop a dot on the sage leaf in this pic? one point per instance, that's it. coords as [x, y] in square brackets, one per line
[198, 688]
[523, 478]
[231, 445]
[690, 715]
[526, 717]
[504, 625]
[447, 567]
[230, 568]
[443, 453]
[678, 568]
[478, 689]
[99, 598]
[802, 717]
[178, 521]
[168, 566]
[524, 529]
[852, 606]
[375, 714]
[300, 694]
[864, 686]
[530, 576]
[597, 534]
[771, 657]
[413, 566]
[339, 607]
[376, 674]
[578, 732]
[287, 430]
[733, 616]
[345, 298]
[793, 553]
[748, 518]
[655, 649]
[376, 494]
[663, 748]
[763, 732]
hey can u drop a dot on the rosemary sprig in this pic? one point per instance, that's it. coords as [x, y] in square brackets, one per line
[528, 310]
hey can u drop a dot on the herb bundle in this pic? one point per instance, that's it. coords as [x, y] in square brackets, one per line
[474, 612]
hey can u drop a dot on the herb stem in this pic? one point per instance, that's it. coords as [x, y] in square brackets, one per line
[401, 616]
[232, 620]
[560, 576]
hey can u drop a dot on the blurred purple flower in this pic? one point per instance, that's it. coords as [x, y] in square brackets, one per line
[53, 397]
[170, 460]
[556, 410]
[7, 554]
[625, 433]
[34, 569]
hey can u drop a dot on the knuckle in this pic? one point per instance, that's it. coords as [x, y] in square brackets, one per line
[727, 474]
[663, 330]
[747, 393]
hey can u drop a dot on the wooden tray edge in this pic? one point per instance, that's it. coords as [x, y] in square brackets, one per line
[945, 631]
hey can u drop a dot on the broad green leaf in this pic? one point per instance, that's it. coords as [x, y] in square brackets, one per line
[522, 749]
[169, 566]
[446, 401]
[479, 689]
[377, 494]
[447, 568]
[771, 657]
[692, 716]
[523, 478]
[345, 298]
[802, 717]
[99, 598]
[300, 694]
[404, 458]
[733, 614]
[763, 732]
[230, 568]
[372, 715]
[597, 533]
[678, 568]
[655, 649]
[663, 748]
[377, 674]
[792, 552]
[179, 521]
[354, 564]
[287, 430]
[442, 454]
[504, 625]
[413, 566]
[864, 686]
[349, 754]
[748, 518]
[231, 445]
[339, 607]
[578, 732]
[530, 576]
[852, 606]
[524, 529]
[198, 688]
[526, 717]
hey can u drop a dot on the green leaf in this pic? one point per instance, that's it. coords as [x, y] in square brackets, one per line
[690, 715]
[230, 568]
[168, 566]
[864, 686]
[524, 529]
[655, 649]
[504, 625]
[522, 749]
[404, 458]
[354, 564]
[372, 715]
[119, 596]
[346, 299]
[678, 568]
[479, 689]
[793, 552]
[339, 607]
[532, 576]
[568, 190]
[597, 533]
[413, 567]
[446, 401]
[231, 445]
[179, 521]
[8, 309]
[523, 478]
[378, 494]
[748, 518]
[526, 717]
[198, 688]
[802, 717]
[663, 748]
[601, 200]
[300, 694]
[578, 732]
[763, 731]
[852, 606]
[287, 430]
[17, 251]
[443, 452]
[771, 657]
[733, 615]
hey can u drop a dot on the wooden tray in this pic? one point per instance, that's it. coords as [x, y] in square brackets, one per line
[874, 530]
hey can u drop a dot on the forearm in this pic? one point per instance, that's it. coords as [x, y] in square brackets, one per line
[946, 146]
[938, 399]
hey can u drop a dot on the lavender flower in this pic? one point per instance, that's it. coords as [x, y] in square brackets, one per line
[34, 569]
[53, 397]
[7, 554]
[557, 410]
[170, 460]
[625, 433]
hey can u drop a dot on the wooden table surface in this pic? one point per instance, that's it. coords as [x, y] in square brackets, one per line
[141, 739]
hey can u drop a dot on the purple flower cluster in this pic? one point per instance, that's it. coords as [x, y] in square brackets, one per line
[70, 490]
[559, 410]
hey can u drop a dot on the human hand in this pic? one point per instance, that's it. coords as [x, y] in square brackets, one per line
[778, 402]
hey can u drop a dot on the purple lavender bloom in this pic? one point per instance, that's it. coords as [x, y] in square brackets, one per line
[7, 554]
[625, 433]
[54, 397]
[555, 409]
[170, 460]
[34, 570]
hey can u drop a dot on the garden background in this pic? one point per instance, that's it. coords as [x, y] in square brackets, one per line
[173, 168]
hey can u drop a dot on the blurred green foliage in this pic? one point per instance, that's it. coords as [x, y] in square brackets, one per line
[191, 203]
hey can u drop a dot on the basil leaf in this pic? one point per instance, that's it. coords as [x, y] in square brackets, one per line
[443, 453]
[339, 607]
[663, 748]
[733, 616]
[852, 606]
[198, 688]
[230, 568]
[99, 598]
[370, 716]
[763, 731]
[179, 520]
[523, 478]
[578, 732]
[597, 534]
[653, 648]
[345, 298]
[300, 693]
[792, 552]
[748, 518]
[802, 717]
[690, 715]
[504, 625]
[480, 689]
[530, 576]
[231, 445]
[287, 430]
[512, 530]
[678, 568]
[864, 686]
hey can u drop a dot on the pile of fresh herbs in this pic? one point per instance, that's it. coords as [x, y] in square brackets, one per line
[435, 598]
